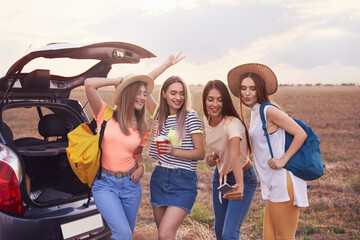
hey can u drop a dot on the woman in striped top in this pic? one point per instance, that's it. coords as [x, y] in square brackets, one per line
[173, 183]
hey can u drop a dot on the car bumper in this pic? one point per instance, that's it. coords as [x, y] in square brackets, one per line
[47, 223]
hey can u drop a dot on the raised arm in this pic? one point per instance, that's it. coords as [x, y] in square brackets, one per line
[279, 118]
[170, 61]
[91, 87]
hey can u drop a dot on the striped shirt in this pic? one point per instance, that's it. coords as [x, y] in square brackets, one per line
[193, 125]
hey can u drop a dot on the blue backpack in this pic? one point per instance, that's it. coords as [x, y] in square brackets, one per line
[306, 162]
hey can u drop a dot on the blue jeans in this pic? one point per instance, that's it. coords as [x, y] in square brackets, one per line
[230, 215]
[118, 201]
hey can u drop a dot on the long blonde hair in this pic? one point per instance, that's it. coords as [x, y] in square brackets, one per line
[164, 110]
[125, 109]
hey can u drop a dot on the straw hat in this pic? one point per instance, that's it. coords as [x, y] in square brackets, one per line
[263, 71]
[129, 79]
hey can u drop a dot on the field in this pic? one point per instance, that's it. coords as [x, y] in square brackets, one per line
[334, 212]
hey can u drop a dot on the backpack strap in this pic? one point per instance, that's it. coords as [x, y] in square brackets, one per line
[108, 112]
[262, 117]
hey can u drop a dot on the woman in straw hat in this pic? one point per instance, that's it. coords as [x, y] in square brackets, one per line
[253, 83]
[173, 183]
[117, 193]
[227, 136]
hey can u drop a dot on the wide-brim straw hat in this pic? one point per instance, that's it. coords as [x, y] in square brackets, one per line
[263, 71]
[129, 79]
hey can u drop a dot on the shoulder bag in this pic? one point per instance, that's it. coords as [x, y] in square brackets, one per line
[306, 162]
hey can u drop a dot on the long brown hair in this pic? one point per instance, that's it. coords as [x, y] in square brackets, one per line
[260, 88]
[164, 110]
[125, 109]
[228, 108]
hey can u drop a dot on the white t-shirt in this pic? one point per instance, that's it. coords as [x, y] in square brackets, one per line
[218, 139]
[273, 182]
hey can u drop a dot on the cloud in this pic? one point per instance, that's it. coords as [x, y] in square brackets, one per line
[215, 35]
[321, 8]
[205, 32]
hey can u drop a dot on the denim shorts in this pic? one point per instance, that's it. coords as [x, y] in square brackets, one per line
[173, 187]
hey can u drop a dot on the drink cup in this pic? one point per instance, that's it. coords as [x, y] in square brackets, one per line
[161, 140]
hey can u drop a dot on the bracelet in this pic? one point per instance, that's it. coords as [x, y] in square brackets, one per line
[140, 163]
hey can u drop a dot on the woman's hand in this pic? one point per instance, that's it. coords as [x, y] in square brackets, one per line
[211, 159]
[276, 163]
[118, 81]
[237, 194]
[173, 60]
[137, 174]
[166, 147]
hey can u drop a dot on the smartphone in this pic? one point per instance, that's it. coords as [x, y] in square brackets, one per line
[225, 188]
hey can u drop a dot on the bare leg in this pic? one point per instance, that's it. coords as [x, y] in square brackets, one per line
[158, 214]
[171, 220]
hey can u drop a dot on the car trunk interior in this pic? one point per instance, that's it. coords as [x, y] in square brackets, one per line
[52, 179]
[39, 134]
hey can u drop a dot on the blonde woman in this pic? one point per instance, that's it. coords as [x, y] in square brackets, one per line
[117, 193]
[173, 184]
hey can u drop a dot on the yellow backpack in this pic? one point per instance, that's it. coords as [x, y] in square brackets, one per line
[84, 149]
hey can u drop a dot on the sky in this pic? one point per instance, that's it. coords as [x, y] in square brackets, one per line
[302, 41]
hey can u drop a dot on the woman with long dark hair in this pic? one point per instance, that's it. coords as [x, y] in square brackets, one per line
[227, 138]
[284, 193]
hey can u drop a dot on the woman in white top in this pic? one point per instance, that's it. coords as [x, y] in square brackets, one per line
[227, 136]
[284, 192]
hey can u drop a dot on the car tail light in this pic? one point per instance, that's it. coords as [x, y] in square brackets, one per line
[10, 179]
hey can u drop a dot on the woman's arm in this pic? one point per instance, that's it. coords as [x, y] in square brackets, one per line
[137, 155]
[279, 118]
[170, 61]
[211, 159]
[198, 153]
[237, 169]
[91, 87]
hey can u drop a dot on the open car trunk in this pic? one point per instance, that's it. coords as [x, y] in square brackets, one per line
[37, 113]
[38, 131]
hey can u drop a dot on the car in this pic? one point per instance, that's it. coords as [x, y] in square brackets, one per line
[40, 196]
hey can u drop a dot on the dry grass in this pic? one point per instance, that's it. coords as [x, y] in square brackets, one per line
[334, 212]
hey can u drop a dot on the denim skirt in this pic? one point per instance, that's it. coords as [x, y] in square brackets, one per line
[173, 188]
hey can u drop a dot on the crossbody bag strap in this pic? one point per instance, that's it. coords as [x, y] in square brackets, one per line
[266, 134]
